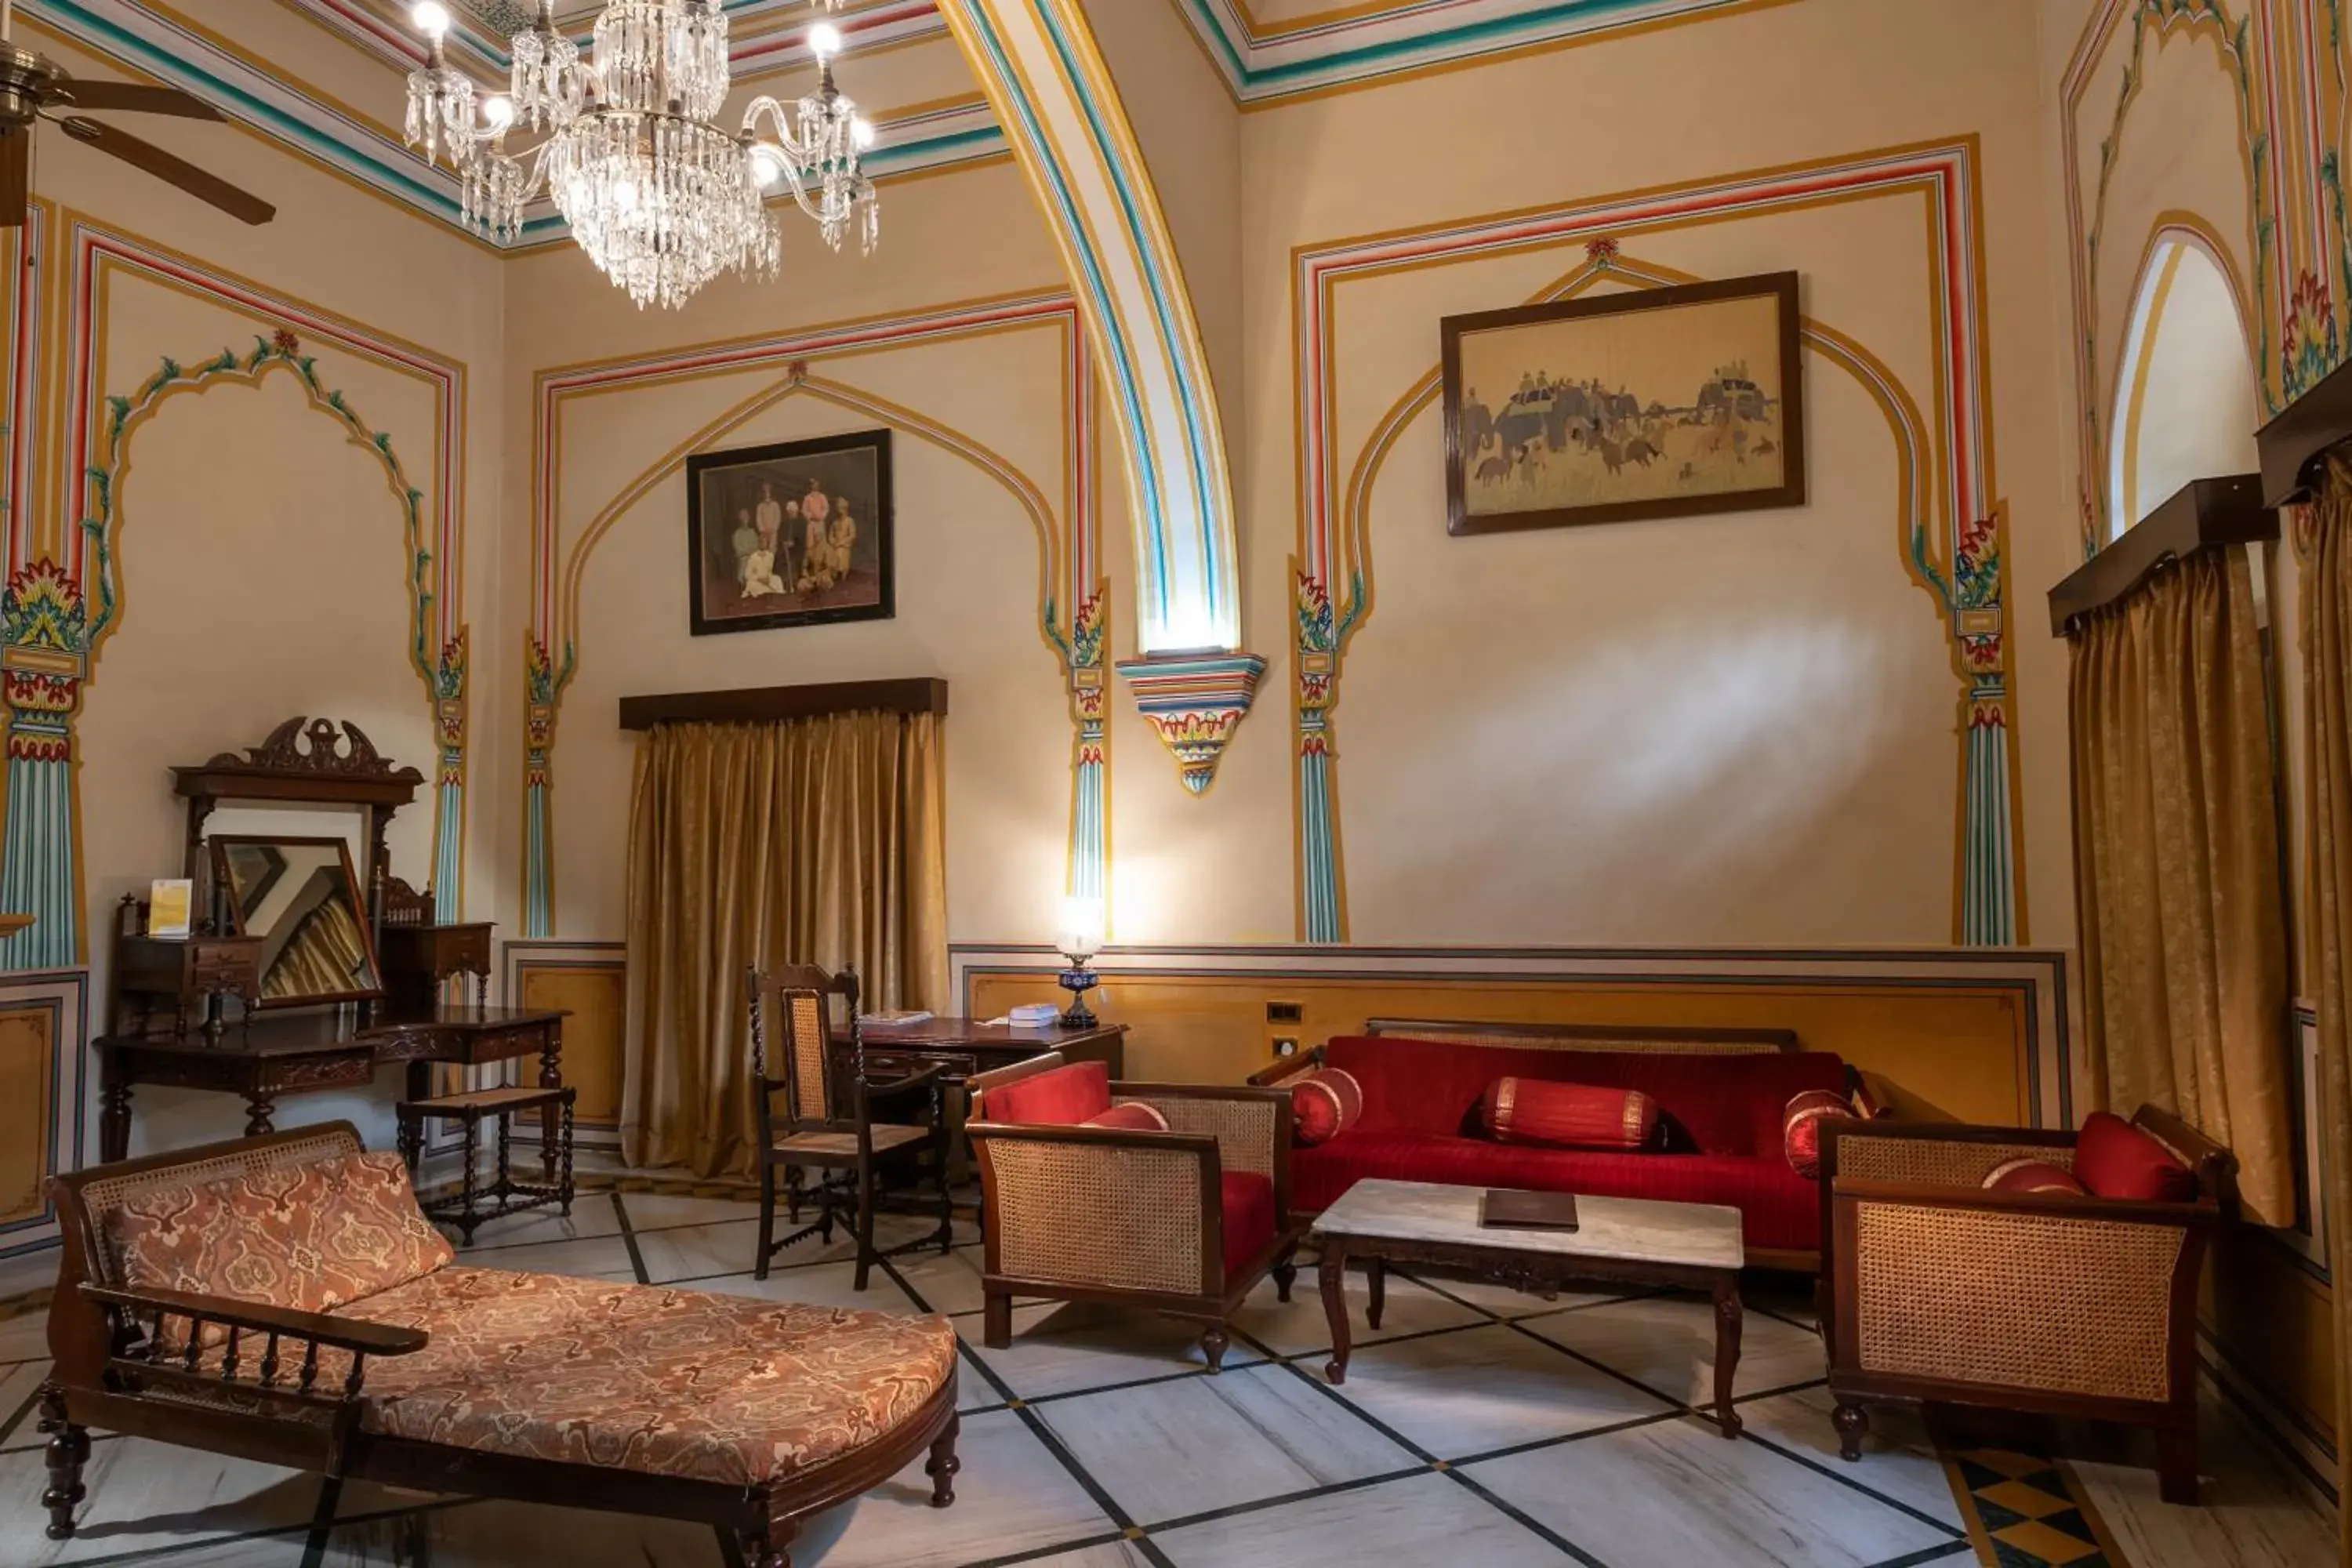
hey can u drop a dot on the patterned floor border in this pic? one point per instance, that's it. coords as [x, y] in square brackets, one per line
[2027, 1510]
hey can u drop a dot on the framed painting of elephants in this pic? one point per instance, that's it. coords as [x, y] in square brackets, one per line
[1649, 403]
[794, 534]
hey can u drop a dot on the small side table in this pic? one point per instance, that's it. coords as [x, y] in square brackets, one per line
[504, 1195]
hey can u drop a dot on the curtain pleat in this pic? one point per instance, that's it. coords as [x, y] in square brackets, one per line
[2327, 608]
[2177, 867]
[816, 841]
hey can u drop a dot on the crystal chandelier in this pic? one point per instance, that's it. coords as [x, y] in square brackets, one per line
[659, 196]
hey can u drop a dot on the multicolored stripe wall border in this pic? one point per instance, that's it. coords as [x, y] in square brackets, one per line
[65, 587]
[1074, 600]
[1954, 526]
[1364, 45]
[1052, 93]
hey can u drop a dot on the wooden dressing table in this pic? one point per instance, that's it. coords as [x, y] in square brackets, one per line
[395, 953]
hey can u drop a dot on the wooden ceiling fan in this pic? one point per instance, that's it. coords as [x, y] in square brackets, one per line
[34, 87]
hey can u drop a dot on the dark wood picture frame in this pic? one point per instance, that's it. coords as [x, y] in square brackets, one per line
[1789, 491]
[219, 844]
[704, 619]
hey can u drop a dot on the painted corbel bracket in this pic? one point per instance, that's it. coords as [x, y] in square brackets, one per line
[1196, 701]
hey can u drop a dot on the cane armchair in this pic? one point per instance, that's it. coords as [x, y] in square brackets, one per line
[1185, 1222]
[1939, 1289]
[825, 1123]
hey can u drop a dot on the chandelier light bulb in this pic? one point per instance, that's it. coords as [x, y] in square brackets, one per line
[861, 131]
[625, 195]
[824, 41]
[498, 112]
[431, 18]
[767, 164]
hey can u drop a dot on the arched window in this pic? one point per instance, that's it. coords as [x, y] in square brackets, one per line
[2186, 403]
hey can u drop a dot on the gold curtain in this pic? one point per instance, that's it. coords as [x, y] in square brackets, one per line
[2177, 867]
[815, 841]
[2327, 688]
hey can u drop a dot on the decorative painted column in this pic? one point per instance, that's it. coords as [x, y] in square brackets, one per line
[44, 659]
[1037, 62]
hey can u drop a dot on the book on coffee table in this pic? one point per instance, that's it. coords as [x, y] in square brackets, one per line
[1501, 1208]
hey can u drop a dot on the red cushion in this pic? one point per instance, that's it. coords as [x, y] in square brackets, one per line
[2031, 1176]
[1568, 1115]
[2116, 1159]
[1800, 1128]
[1709, 1104]
[1248, 1202]
[1782, 1209]
[1059, 1096]
[1323, 1104]
[1135, 1116]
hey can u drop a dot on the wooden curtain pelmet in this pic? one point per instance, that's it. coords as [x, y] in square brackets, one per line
[763, 704]
[2203, 514]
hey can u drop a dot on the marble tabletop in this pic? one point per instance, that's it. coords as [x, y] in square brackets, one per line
[1640, 1230]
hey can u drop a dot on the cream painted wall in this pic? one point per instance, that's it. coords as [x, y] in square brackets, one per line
[263, 563]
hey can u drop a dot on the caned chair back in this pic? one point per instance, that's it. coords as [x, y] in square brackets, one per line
[797, 1060]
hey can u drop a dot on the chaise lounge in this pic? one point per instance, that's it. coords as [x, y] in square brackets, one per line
[404, 1368]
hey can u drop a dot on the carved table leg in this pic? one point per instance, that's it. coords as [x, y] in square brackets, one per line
[550, 1076]
[1332, 1273]
[68, 1450]
[258, 1123]
[1727, 1315]
[114, 1117]
[1213, 1340]
[1376, 1289]
[943, 1464]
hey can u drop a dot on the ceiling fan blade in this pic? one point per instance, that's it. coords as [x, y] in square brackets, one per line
[164, 165]
[131, 97]
[15, 175]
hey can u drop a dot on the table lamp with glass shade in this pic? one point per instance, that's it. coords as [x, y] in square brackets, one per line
[1081, 938]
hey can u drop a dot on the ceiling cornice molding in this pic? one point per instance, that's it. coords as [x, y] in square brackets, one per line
[153, 42]
[1363, 45]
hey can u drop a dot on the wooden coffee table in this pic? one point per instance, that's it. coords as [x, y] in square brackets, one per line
[1638, 1241]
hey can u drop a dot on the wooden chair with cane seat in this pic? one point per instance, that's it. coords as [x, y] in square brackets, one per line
[828, 1126]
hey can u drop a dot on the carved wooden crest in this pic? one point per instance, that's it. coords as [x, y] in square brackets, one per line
[318, 746]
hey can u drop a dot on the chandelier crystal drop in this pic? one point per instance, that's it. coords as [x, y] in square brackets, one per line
[659, 195]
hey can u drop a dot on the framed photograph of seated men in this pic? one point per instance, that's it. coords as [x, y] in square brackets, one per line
[1645, 403]
[793, 535]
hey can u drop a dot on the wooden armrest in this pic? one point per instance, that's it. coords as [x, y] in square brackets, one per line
[2042, 1206]
[892, 1088]
[357, 1335]
[1291, 1066]
[1091, 1136]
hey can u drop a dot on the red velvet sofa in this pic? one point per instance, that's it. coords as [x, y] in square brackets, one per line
[1720, 1117]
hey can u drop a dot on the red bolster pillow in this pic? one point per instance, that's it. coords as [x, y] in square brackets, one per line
[2031, 1175]
[1568, 1115]
[2115, 1160]
[1134, 1116]
[1800, 1128]
[1324, 1104]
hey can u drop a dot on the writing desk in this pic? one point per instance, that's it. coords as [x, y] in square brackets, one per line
[962, 1047]
[279, 1054]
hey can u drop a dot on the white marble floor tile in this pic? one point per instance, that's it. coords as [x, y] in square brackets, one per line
[1503, 1300]
[821, 1284]
[1674, 1493]
[1170, 1450]
[1898, 1458]
[661, 1210]
[1064, 1347]
[1477, 1389]
[973, 1390]
[591, 1257]
[592, 1215]
[947, 1283]
[1667, 1342]
[1423, 1519]
[694, 1252]
[890, 1229]
[502, 1534]
[1012, 1495]
[24, 1336]
[17, 1384]
[2251, 1512]
[1300, 1326]
[1108, 1555]
[148, 1497]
